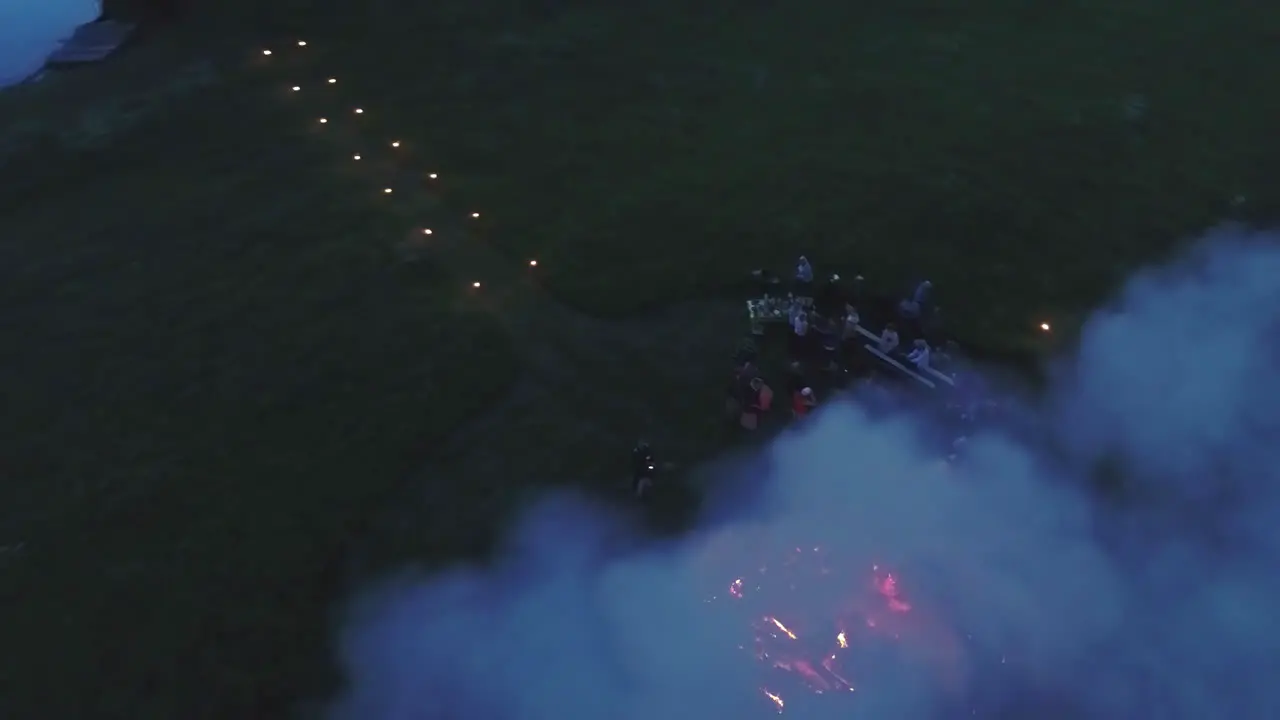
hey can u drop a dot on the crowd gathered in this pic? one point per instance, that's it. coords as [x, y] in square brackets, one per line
[831, 350]
[830, 346]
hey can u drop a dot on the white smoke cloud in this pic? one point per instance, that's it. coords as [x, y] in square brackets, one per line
[31, 29]
[1031, 593]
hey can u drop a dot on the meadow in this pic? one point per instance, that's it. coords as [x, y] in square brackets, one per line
[241, 379]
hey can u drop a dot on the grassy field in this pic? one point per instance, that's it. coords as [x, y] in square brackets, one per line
[216, 371]
[1023, 157]
[240, 378]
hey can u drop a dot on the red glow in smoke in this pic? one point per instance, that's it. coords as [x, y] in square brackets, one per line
[803, 643]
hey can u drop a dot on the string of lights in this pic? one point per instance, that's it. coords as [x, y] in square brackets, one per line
[1043, 327]
[392, 144]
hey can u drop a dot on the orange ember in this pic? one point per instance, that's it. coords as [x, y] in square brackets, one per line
[776, 700]
[817, 656]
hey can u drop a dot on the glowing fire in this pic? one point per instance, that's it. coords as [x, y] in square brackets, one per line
[819, 657]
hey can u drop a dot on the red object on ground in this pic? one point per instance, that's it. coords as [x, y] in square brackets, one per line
[800, 404]
[766, 398]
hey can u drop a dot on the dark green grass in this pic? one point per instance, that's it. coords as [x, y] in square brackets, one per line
[215, 373]
[1025, 158]
[217, 378]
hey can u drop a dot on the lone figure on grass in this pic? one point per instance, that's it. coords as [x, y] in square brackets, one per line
[913, 307]
[804, 277]
[643, 468]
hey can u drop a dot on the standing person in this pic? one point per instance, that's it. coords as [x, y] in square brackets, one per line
[850, 341]
[913, 310]
[796, 379]
[915, 305]
[920, 355]
[804, 277]
[851, 322]
[799, 335]
[889, 339]
[802, 402]
[829, 339]
[759, 400]
[829, 298]
[736, 393]
[643, 469]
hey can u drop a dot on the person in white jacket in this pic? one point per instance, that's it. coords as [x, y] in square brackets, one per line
[920, 355]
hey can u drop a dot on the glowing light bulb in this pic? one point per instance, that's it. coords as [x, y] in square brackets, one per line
[387, 191]
[359, 111]
[333, 80]
[355, 157]
[475, 284]
[324, 120]
[475, 215]
[433, 176]
[266, 52]
[426, 231]
[533, 263]
[395, 144]
[302, 43]
[296, 88]
[1044, 327]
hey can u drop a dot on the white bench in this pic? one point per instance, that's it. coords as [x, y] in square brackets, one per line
[874, 350]
[885, 357]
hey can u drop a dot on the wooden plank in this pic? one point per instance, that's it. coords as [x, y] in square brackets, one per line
[876, 351]
[874, 338]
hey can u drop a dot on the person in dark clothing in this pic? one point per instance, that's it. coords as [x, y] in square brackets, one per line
[796, 378]
[830, 298]
[828, 338]
[644, 467]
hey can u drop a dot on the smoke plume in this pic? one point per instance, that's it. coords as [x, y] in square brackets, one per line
[1118, 561]
[32, 29]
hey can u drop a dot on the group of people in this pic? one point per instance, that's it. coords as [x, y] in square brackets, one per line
[829, 329]
[825, 331]
[751, 396]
